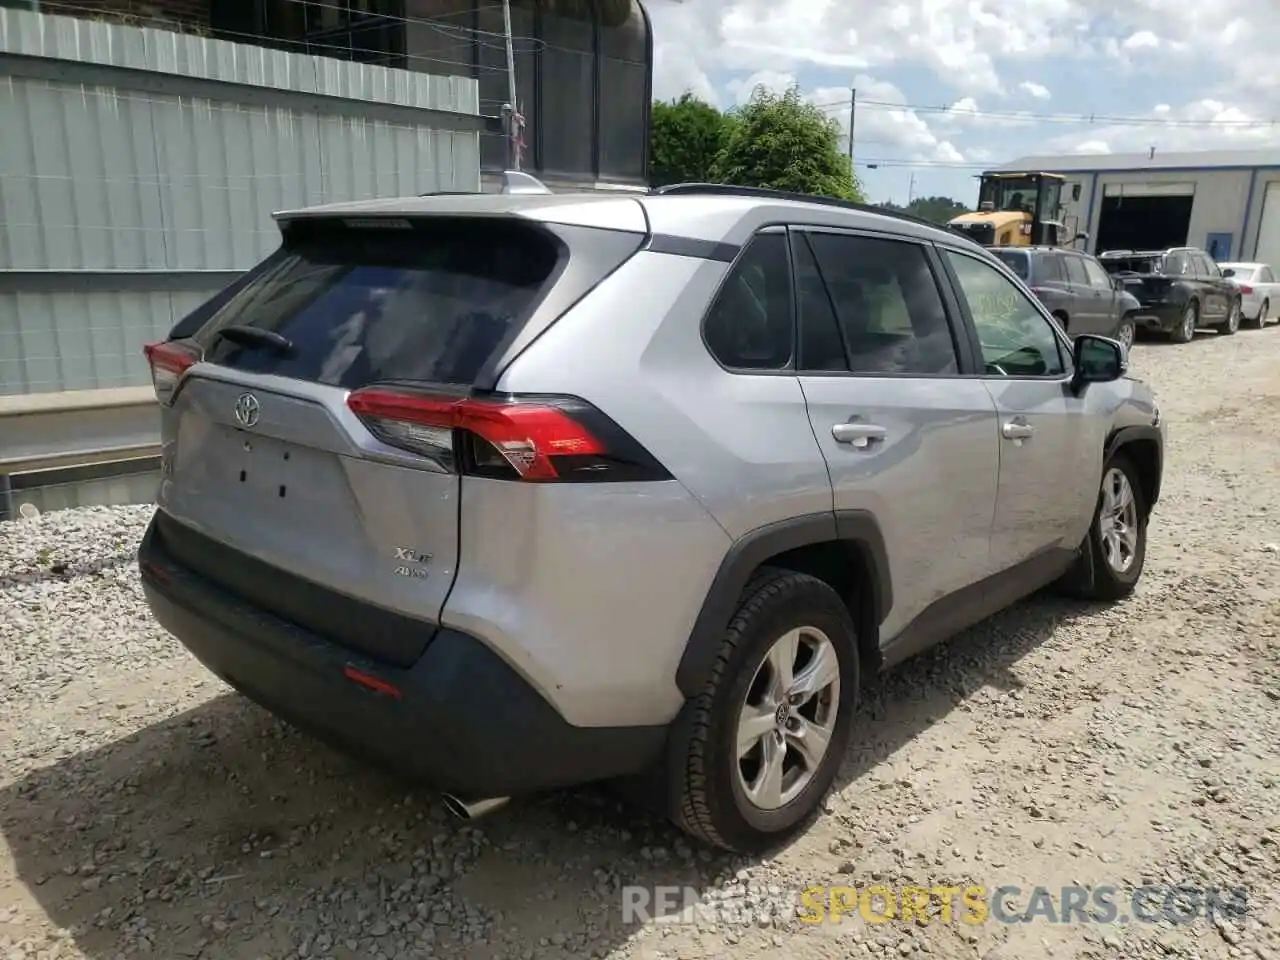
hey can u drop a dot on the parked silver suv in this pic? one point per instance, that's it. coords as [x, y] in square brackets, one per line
[513, 492]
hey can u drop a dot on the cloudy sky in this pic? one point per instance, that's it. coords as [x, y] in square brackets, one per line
[946, 87]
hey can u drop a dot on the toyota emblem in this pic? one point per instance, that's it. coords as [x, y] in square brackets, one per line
[247, 410]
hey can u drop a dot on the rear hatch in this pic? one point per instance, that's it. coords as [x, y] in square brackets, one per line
[1142, 277]
[275, 486]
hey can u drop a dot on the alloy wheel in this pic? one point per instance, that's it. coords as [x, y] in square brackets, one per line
[1125, 334]
[787, 722]
[1233, 316]
[1189, 322]
[1118, 521]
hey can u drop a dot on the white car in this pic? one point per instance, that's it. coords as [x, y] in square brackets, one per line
[1259, 291]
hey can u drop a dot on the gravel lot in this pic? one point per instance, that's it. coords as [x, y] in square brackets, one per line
[146, 809]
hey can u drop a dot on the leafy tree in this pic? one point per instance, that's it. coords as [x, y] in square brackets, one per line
[782, 142]
[937, 209]
[685, 137]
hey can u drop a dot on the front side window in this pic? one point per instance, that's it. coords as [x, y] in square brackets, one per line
[1097, 276]
[1016, 339]
[1075, 271]
[749, 324]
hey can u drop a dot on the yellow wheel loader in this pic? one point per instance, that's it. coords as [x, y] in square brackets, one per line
[1018, 209]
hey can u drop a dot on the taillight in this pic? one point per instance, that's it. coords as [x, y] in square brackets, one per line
[1245, 288]
[169, 361]
[542, 439]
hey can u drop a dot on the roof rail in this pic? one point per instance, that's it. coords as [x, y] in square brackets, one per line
[729, 190]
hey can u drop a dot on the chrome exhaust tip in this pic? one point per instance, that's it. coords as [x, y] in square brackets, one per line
[475, 809]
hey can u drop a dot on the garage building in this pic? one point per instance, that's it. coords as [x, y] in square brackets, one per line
[1224, 201]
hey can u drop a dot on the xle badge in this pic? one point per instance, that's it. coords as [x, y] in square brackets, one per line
[411, 563]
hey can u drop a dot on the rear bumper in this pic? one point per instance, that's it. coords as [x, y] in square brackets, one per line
[1163, 317]
[459, 719]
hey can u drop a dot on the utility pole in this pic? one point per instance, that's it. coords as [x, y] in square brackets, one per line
[911, 189]
[513, 117]
[853, 109]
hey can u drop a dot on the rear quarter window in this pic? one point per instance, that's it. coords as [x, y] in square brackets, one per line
[1016, 261]
[433, 301]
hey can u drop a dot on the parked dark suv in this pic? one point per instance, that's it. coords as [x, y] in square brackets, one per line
[1075, 288]
[1180, 289]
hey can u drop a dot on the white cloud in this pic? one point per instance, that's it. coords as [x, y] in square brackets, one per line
[1142, 40]
[1206, 73]
[886, 131]
[1198, 125]
[957, 39]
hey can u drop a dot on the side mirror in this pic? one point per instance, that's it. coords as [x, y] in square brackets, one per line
[1097, 360]
[1075, 192]
[1228, 272]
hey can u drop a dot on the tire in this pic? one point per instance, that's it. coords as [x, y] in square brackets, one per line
[707, 776]
[1229, 326]
[1261, 319]
[1185, 331]
[1126, 332]
[1095, 576]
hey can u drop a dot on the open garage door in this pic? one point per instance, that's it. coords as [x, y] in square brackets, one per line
[1145, 216]
[1269, 227]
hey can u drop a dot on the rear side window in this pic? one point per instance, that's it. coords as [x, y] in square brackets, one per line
[889, 313]
[749, 324]
[1264, 275]
[432, 302]
[1016, 261]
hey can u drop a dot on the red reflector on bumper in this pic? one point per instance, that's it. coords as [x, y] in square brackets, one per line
[370, 682]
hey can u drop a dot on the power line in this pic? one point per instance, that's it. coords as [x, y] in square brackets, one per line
[1031, 117]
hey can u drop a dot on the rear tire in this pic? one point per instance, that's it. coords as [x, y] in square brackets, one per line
[1229, 326]
[1115, 549]
[1261, 319]
[721, 749]
[1185, 331]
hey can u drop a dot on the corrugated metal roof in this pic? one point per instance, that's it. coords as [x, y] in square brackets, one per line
[1197, 159]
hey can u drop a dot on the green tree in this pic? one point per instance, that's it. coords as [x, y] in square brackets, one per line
[937, 209]
[685, 137]
[782, 142]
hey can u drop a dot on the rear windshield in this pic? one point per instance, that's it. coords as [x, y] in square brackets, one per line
[431, 300]
[1016, 261]
[1133, 264]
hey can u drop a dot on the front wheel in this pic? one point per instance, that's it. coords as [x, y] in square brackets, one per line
[1115, 549]
[1126, 332]
[758, 748]
[1185, 331]
[1230, 325]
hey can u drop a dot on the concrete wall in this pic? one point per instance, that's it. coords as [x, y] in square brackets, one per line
[139, 169]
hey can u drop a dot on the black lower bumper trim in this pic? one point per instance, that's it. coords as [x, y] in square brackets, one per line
[459, 719]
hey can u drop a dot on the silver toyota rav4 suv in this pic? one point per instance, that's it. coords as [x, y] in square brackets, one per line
[517, 491]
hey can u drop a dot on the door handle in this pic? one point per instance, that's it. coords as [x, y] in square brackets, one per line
[858, 434]
[1016, 430]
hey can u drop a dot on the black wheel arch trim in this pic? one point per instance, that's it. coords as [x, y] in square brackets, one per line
[745, 556]
[1124, 436]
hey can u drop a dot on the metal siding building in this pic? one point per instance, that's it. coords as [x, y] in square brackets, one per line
[1233, 195]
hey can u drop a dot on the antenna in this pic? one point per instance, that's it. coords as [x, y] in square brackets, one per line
[516, 181]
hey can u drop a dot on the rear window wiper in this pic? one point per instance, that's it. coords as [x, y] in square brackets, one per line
[247, 336]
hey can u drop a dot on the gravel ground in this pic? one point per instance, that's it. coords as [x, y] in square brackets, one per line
[144, 809]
